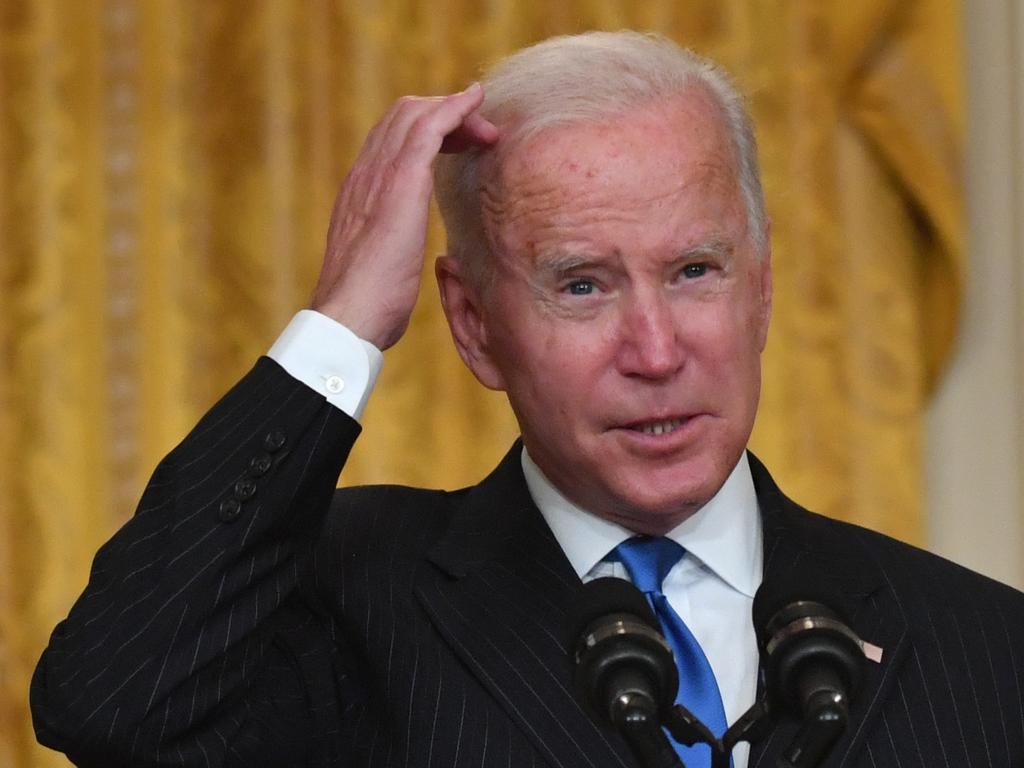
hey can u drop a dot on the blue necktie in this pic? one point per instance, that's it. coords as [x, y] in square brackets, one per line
[648, 560]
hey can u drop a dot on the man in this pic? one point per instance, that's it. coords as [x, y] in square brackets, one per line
[609, 270]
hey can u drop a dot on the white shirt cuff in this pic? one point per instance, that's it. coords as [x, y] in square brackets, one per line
[325, 355]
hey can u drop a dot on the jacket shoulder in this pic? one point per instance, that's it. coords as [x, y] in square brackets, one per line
[927, 587]
[930, 588]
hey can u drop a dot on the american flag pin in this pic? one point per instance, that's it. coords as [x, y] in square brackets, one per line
[871, 651]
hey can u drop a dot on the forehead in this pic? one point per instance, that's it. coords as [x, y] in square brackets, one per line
[671, 157]
[691, 122]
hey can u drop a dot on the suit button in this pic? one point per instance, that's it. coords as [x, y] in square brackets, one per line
[230, 509]
[245, 489]
[260, 465]
[274, 441]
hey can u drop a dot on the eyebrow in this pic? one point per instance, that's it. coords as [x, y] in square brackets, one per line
[561, 263]
[715, 246]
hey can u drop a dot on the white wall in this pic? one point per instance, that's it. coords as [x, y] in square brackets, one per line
[975, 447]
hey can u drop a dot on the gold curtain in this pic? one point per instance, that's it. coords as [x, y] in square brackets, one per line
[166, 173]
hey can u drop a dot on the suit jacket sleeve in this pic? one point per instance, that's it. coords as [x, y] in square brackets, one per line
[191, 644]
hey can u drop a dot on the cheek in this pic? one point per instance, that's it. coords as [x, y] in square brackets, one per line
[557, 375]
[744, 321]
[728, 345]
[527, 360]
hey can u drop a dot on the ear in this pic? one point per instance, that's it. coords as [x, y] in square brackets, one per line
[463, 309]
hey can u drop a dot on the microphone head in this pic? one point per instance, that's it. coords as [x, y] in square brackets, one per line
[800, 629]
[771, 597]
[618, 649]
[600, 597]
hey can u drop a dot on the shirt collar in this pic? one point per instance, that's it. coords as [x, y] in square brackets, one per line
[724, 534]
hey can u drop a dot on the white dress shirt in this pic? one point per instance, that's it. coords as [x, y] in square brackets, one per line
[711, 588]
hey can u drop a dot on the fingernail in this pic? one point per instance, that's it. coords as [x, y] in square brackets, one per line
[474, 86]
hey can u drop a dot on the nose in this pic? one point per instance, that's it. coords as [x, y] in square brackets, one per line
[649, 345]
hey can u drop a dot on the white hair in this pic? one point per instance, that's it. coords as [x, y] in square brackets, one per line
[587, 78]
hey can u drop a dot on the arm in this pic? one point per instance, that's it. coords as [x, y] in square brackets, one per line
[178, 651]
[183, 604]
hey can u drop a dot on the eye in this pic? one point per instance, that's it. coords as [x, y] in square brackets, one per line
[580, 287]
[691, 271]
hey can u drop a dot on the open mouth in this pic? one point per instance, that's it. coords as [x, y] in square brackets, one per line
[658, 427]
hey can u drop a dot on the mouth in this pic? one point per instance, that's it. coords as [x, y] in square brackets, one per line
[663, 427]
[662, 438]
[658, 427]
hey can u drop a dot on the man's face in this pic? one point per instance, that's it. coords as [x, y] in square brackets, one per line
[628, 309]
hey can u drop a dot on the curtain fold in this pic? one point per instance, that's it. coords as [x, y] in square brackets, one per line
[166, 175]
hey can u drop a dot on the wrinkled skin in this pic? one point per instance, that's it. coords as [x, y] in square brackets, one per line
[626, 294]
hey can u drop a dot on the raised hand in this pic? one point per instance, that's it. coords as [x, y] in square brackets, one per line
[374, 256]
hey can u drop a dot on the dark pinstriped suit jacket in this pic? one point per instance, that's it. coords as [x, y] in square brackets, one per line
[231, 622]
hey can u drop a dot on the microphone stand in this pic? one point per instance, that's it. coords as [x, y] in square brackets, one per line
[823, 723]
[636, 718]
[687, 729]
[637, 721]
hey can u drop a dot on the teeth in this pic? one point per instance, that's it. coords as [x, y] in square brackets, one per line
[660, 427]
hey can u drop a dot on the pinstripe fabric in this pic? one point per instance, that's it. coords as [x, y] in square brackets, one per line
[948, 690]
[244, 618]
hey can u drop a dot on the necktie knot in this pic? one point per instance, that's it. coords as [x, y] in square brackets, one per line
[648, 559]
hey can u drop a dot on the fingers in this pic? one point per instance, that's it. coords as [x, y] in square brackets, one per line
[404, 112]
[480, 128]
[388, 135]
[475, 130]
[455, 115]
[420, 125]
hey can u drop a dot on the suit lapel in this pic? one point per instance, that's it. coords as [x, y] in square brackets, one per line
[802, 548]
[501, 594]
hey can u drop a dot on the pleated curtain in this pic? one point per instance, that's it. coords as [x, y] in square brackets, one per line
[167, 169]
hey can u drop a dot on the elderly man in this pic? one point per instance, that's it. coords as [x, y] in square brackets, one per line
[609, 270]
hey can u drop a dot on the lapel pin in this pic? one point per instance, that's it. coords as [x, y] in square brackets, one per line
[871, 651]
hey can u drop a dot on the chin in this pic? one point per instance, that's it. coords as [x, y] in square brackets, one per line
[653, 523]
[655, 508]
[656, 514]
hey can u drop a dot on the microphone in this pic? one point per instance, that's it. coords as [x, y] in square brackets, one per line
[625, 673]
[813, 664]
